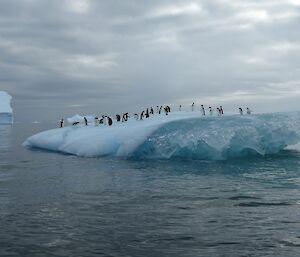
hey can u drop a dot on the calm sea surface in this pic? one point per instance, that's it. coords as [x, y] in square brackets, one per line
[61, 205]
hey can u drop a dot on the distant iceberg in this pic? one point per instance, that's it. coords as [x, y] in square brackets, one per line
[6, 113]
[185, 135]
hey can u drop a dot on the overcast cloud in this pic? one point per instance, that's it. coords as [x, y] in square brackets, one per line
[62, 57]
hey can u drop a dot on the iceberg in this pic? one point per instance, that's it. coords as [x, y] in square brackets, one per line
[185, 135]
[6, 114]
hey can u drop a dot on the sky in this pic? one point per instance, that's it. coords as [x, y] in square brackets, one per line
[62, 57]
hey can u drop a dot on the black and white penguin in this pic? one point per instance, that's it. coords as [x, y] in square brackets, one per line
[166, 110]
[109, 120]
[125, 117]
[142, 115]
[221, 110]
[61, 123]
[160, 108]
[147, 113]
[97, 121]
[211, 111]
[202, 110]
[241, 111]
[157, 109]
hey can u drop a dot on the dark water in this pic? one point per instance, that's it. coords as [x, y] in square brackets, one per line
[61, 205]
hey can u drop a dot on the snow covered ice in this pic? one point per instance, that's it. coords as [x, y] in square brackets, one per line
[6, 116]
[178, 135]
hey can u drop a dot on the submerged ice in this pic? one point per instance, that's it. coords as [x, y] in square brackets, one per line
[178, 135]
[6, 116]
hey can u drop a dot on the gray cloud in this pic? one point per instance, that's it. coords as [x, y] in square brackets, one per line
[65, 56]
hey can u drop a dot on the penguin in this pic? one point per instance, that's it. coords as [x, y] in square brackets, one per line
[136, 116]
[75, 123]
[202, 110]
[101, 121]
[147, 113]
[180, 106]
[241, 111]
[125, 117]
[211, 111]
[110, 122]
[193, 106]
[104, 119]
[151, 111]
[248, 111]
[85, 121]
[142, 115]
[96, 121]
[166, 110]
[118, 117]
[160, 108]
[61, 123]
[218, 111]
[169, 108]
[221, 110]
[157, 109]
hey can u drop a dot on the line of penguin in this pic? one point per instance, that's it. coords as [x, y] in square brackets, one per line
[106, 120]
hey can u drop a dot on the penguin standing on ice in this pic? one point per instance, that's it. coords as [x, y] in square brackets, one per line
[157, 109]
[136, 116]
[61, 123]
[118, 117]
[166, 110]
[202, 110]
[142, 115]
[248, 111]
[109, 120]
[211, 111]
[147, 113]
[151, 111]
[125, 117]
[101, 121]
[160, 108]
[221, 110]
[180, 106]
[218, 111]
[193, 106]
[241, 111]
[85, 121]
[97, 121]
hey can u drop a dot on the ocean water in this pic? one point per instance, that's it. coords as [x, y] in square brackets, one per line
[53, 204]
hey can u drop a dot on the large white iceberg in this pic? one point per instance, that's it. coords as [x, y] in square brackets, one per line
[6, 113]
[178, 135]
